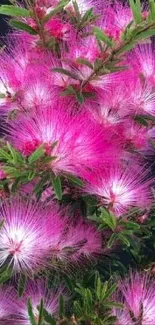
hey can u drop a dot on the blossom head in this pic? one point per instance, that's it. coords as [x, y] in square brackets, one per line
[121, 188]
[36, 291]
[139, 298]
[7, 305]
[81, 143]
[24, 236]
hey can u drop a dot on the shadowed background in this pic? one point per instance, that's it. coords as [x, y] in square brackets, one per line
[3, 23]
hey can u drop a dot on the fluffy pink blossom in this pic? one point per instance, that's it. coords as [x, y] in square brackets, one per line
[142, 98]
[32, 234]
[7, 305]
[115, 20]
[80, 143]
[36, 291]
[113, 106]
[135, 136]
[24, 235]
[58, 28]
[139, 299]
[121, 188]
[142, 60]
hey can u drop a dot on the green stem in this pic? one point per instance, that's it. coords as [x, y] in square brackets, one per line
[112, 56]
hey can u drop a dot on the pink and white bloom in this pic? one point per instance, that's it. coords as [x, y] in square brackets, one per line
[33, 234]
[36, 291]
[139, 298]
[7, 305]
[120, 189]
[24, 235]
[80, 143]
[142, 61]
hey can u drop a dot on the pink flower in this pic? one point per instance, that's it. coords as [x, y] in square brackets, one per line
[58, 29]
[121, 188]
[135, 136]
[142, 61]
[7, 305]
[24, 236]
[139, 298]
[33, 234]
[36, 291]
[81, 240]
[80, 144]
[142, 98]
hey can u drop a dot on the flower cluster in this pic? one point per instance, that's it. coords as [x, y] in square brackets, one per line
[77, 102]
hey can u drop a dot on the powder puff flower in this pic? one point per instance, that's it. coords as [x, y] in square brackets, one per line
[80, 240]
[24, 235]
[33, 235]
[83, 5]
[7, 305]
[135, 136]
[36, 292]
[142, 98]
[58, 29]
[113, 106]
[36, 92]
[142, 60]
[139, 298]
[115, 20]
[122, 315]
[80, 143]
[121, 189]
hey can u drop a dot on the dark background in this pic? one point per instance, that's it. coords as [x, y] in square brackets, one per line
[3, 23]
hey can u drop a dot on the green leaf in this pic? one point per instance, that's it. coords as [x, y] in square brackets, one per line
[55, 11]
[77, 11]
[4, 155]
[21, 284]
[136, 10]
[112, 240]
[6, 275]
[89, 299]
[1, 224]
[37, 154]
[104, 290]
[22, 26]
[80, 97]
[56, 182]
[124, 239]
[126, 48]
[78, 309]
[87, 16]
[132, 225]
[61, 306]
[141, 120]
[108, 218]
[113, 304]
[39, 186]
[10, 10]
[101, 36]
[66, 72]
[146, 34]
[75, 180]
[40, 308]
[152, 10]
[98, 288]
[110, 291]
[48, 318]
[2, 95]
[30, 312]
[85, 62]
[16, 156]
